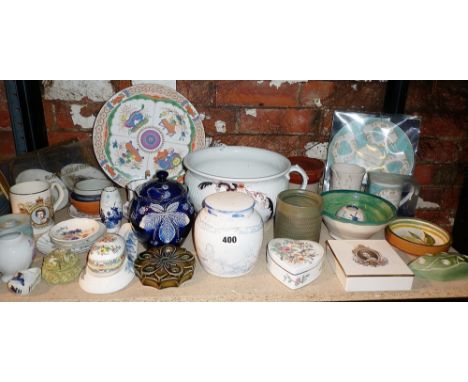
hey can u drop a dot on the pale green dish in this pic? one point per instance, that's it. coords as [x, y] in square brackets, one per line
[445, 266]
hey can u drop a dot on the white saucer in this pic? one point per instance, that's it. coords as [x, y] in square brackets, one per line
[95, 284]
[45, 245]
[46, 176]
[74, 213]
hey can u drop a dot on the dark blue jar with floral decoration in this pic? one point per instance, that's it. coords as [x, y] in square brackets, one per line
[161, 212]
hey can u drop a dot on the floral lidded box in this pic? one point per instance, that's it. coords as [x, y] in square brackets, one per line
[295, 263]
[368, 265]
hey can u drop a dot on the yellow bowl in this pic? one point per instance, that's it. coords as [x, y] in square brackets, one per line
[417, 237]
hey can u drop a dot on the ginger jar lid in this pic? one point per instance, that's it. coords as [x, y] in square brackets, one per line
[159, 188]
[295, 256]
[229, 201]
[107, 255]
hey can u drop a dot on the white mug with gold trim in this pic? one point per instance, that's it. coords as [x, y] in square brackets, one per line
[35, 199]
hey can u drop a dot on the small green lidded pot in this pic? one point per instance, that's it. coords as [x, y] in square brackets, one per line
[298, 215]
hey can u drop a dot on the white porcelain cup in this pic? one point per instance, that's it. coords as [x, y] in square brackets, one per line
[346, 176]
[35, 199]
[390, 187]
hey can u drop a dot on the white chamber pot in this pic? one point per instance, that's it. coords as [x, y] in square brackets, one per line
[262, 174]
[228, 234]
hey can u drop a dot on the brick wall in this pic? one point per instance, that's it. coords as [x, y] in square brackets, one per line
[284, 116]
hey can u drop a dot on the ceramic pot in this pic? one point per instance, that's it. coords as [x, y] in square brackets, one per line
[161, 212]
[228, 234]
[298, 215]
[110, 209]
[314, 169]
[262, 174]
[16, 254]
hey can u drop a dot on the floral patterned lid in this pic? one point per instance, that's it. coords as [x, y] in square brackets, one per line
[143, 129]
[107, 254]
[295, 256]
[159, 188]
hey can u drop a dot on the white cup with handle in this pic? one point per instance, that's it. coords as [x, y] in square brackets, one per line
[35, 199]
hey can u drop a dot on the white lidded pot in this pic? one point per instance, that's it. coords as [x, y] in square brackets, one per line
[228, 234]
[260, 173]
[16, 254]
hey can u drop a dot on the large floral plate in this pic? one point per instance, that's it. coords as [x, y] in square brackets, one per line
[143, 129]
[377, 145]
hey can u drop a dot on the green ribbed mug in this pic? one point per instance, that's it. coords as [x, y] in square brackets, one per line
[298, 215]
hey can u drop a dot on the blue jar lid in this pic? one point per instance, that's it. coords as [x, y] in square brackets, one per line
[159, 188]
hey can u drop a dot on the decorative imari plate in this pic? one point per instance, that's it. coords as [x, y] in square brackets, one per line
[143, 129]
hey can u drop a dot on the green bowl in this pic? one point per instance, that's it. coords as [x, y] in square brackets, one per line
[378, 213]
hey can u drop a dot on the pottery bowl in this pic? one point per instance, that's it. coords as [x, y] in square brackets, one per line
[262, 174]
[91, 187]
[377, 213]
[90, 208]
[417, 237]
[74, 232]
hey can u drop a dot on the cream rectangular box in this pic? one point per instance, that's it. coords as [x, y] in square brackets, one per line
[368, 266]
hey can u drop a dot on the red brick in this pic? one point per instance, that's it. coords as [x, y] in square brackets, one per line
[63, 115]
[199, 93]
[437, 151]
[367, 97]
[228, 116]
[447, 198]
[5, 119]
[253, 93]
[90, 108]
[452, 95]
[49, 114]
[284, 144]
[463, 157]
[118, 85]
[280, 121]
[326, 124]
[443, 125]
[439, 217]
[56, 137]
[7, 145]
[424, 173]
[316, 93]
[419, 97]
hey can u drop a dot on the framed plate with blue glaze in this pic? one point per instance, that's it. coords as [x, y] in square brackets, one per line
[377, 142]
[143, 129]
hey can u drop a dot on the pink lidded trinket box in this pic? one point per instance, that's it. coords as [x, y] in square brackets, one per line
[295, 263]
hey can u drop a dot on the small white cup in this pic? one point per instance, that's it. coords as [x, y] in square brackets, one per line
[346, 176]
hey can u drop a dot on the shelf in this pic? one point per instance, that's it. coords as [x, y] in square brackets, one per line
[258, 285]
